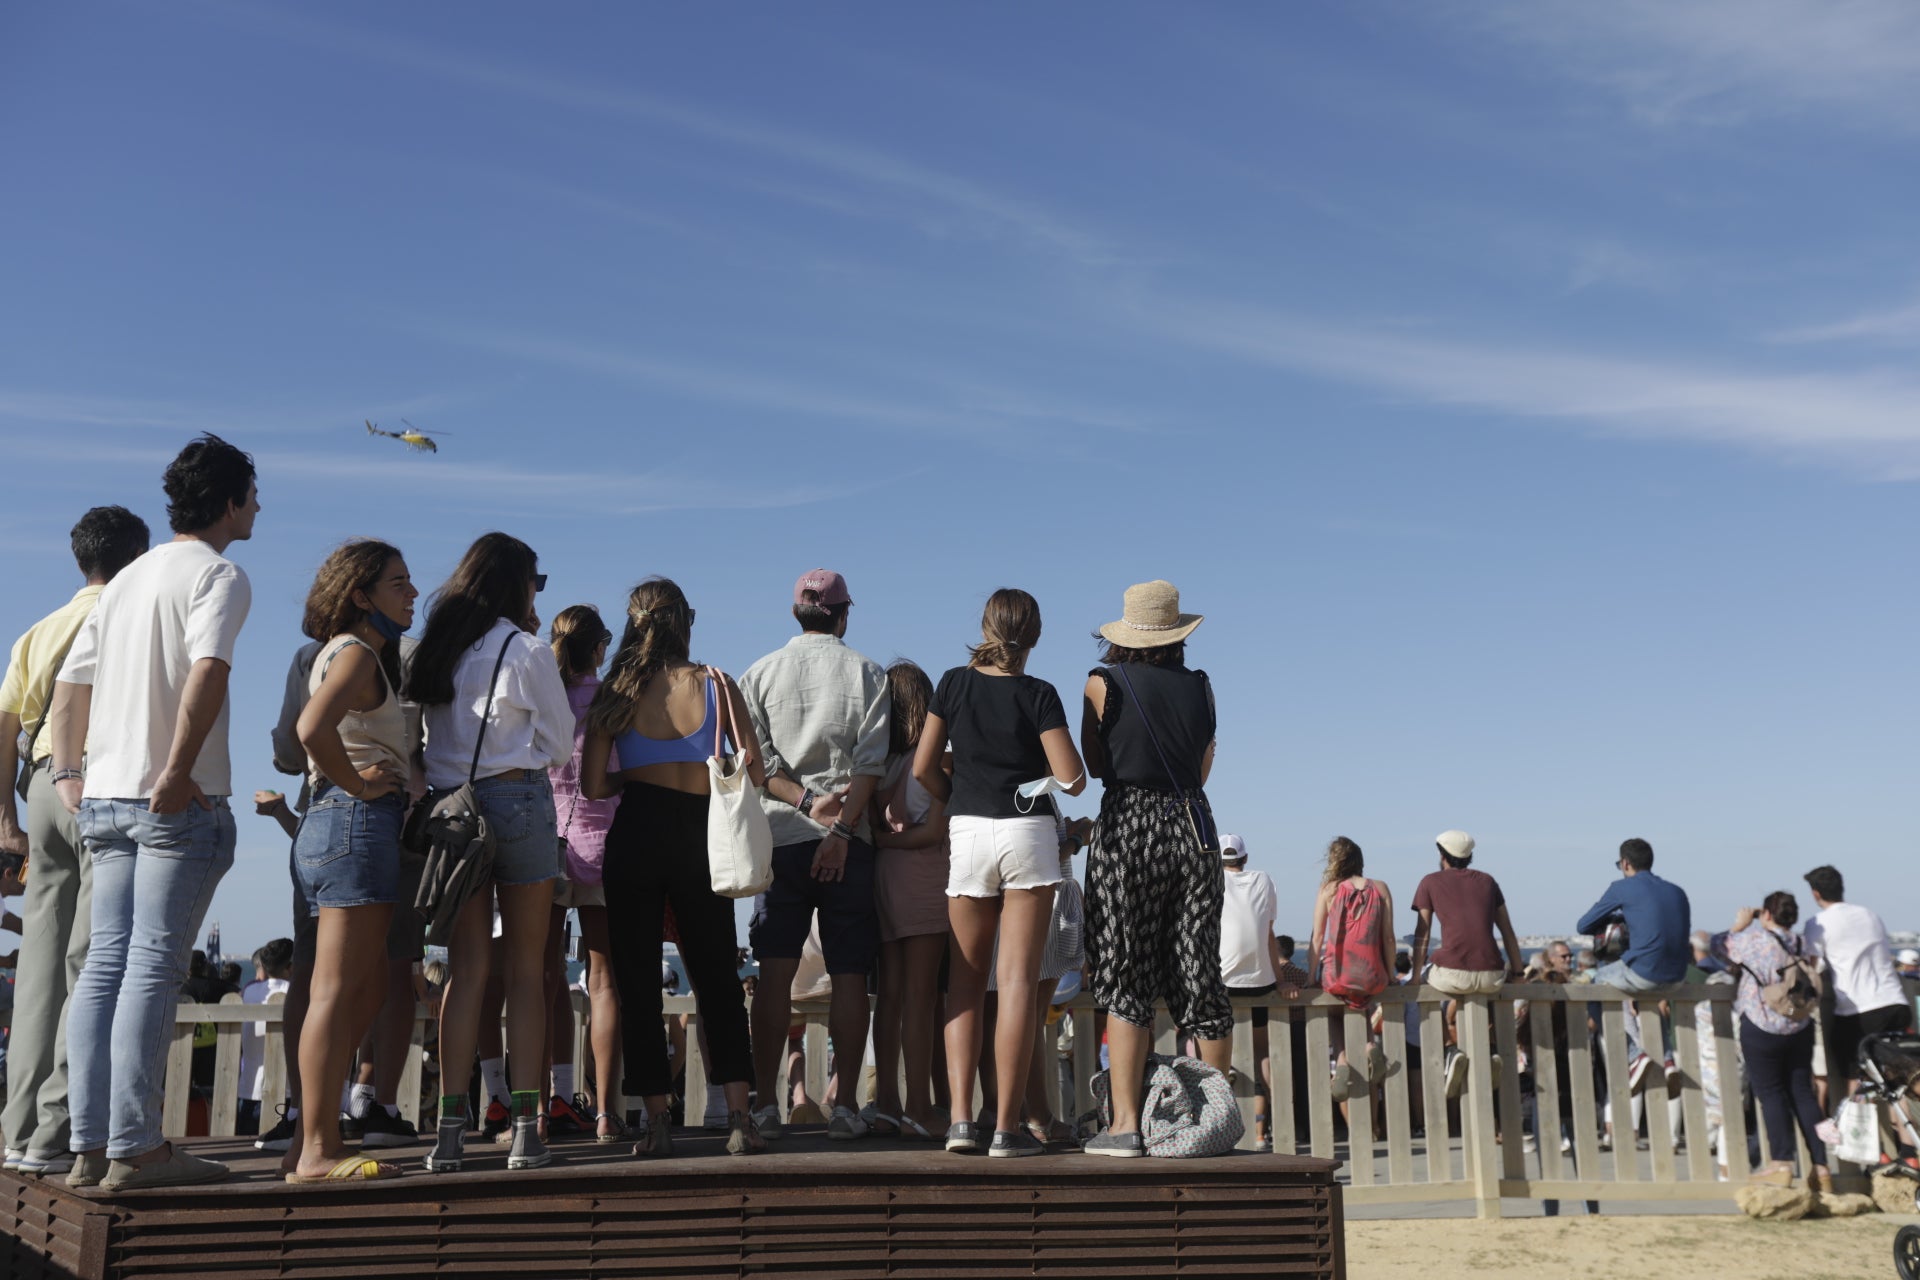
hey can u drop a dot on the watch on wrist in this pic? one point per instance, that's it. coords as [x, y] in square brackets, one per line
[806, 804]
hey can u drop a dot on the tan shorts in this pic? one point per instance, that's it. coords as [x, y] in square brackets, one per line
[1466, 982]
[568, 893]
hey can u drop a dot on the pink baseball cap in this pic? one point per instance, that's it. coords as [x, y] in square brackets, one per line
[828, 588]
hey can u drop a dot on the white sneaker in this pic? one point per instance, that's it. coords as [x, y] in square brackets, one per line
[845, 1125]
[46, 1166]
[11, 1164]
[1566, 1146]
[716, 1117]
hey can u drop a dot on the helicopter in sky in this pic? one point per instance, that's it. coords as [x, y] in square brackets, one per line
[413, 437]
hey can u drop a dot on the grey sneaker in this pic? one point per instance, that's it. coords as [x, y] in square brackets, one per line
[449, 1146]
[87, 1171]
[1341, 1086]
[179, 1169]
[845, 1126]
[963, 1135]
[767, 1120]
[1124, 1145]
[1456, 1073]
[528, 1151]
[1014, 1142]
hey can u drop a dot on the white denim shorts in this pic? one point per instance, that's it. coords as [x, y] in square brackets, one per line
[988, 856]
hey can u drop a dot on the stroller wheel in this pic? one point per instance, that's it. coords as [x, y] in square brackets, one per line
[1906, 1253]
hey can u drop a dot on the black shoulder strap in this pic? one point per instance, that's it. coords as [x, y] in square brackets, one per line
[473, 769]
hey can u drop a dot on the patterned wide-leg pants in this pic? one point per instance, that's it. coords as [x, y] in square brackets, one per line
[1153, 915]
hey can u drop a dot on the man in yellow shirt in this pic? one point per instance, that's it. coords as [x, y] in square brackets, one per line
[56, 913]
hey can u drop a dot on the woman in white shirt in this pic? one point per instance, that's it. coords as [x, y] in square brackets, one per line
[496, 711]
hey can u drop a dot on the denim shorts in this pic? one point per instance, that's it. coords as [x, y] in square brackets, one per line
[518, 807]
[347, 851]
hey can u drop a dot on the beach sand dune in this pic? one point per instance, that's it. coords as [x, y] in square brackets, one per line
[1721, 1247]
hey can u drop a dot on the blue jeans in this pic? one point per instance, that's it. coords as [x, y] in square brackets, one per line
[153, 879]
[1617, 974]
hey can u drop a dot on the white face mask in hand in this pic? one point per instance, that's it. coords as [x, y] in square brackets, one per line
[1032, 791]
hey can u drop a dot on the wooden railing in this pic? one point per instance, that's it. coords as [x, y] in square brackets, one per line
[1471, 1149]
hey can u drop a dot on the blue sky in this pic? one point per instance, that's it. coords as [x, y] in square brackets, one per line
[1525, 391]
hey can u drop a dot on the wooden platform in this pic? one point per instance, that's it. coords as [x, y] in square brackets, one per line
[808, 1208]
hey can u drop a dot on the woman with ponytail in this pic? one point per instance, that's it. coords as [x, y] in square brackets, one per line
[664, 715]
[580, 641]
[346, 853]
[1011, 749]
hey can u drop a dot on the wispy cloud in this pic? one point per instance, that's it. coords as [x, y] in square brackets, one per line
[53, 409]
[974, 205]
[1728, 61]
[1897, 328]
[1864, 420]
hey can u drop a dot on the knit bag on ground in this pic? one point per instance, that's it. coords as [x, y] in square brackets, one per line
[739, 838]
[1351, 967]
[1188, 1109]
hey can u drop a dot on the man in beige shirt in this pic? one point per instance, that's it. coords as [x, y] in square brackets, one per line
[55, 911]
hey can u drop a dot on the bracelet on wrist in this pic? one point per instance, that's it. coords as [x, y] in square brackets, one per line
[842, 830]
[61, 775]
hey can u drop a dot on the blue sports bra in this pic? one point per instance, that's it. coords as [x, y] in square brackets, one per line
[636, 750]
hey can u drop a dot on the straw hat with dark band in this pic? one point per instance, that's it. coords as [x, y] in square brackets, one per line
[1151, 617]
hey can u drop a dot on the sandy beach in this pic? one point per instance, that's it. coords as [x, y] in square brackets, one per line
[1723, 1247]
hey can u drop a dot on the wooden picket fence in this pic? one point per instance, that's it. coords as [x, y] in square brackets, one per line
[1471, 1150]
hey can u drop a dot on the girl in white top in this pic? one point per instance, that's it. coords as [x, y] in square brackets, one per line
[346, 853]
[496, 712]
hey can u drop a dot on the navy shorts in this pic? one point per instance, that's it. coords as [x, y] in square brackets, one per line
[347, 851]
[849, 920]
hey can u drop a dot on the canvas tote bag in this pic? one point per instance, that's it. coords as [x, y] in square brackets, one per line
[739, 839]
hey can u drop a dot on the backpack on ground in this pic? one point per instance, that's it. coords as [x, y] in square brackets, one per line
[1350, 963]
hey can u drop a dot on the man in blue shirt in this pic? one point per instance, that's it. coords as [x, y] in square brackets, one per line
[1659, 918]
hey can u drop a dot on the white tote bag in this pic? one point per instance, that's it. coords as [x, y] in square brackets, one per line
[1859, 1128]
[739, 841]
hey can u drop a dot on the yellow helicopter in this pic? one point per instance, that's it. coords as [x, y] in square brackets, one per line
[413, 437]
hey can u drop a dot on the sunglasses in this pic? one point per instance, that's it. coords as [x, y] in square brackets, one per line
[539, 582]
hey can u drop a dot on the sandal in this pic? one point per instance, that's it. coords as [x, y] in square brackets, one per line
[911, 1128]
[619, 1130]
[656, 1139]
[743, 1139]
[351, 1169]
[1049, 1135]
[876, 1117]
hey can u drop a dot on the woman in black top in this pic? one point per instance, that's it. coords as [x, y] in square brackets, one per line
[1011, 747]
[1153, 880]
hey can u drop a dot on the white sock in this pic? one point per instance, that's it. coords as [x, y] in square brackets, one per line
[563, 1081]
[493, 1081]
[357, 1105]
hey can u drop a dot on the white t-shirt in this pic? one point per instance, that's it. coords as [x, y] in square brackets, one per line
[1246, 924]
[531, 724]
[179, 603]
[253, 1038]
[1854, 941]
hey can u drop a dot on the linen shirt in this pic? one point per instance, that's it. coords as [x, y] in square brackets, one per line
[27, 690]
[821, 712]
[529, 720]
[1854, 943]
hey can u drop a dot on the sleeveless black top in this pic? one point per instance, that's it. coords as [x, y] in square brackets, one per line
[1180, 704]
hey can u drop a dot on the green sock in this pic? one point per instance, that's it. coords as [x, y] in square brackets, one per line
[526, 1104]
[453, 1106]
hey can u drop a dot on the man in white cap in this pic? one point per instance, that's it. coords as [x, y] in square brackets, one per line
[1469, 905]
[1250, 954]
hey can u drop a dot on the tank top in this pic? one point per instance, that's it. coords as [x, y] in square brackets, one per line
[1180, 704]
[637, 749]
[371, 737]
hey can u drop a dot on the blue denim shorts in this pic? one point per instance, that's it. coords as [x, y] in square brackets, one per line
[347, 851]
[518, 807]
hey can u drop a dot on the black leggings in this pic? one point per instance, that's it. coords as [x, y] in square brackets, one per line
[1780, 1068]
[656, 854]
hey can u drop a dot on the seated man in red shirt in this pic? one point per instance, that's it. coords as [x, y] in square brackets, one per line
[1467, 962]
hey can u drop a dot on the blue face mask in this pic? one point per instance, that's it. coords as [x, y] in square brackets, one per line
[388, 629]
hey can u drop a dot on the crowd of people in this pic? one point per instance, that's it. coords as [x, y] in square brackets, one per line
[918, 849]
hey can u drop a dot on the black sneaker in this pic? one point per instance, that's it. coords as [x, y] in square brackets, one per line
[378, 1129]
[349, 1127]
[1014, 1142]
[280, 1137]
[498, 1120]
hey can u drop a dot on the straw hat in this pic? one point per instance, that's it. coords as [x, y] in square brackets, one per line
[1150, 617]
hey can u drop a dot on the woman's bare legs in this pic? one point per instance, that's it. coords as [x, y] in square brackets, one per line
[349, 983]
[1024, 916]
[603, 1019]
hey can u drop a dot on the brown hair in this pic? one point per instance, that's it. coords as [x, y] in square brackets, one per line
[1160, 655]
[659, 631]
[912, 691]
[494, 580]
[1344, 861]
[1783, 907]
[353, 566]
[1009, 628]
[576, 632]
